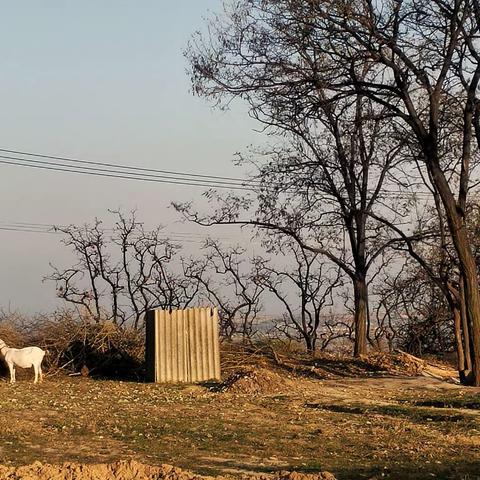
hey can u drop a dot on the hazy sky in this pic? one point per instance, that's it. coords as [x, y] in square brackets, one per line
[101, 81]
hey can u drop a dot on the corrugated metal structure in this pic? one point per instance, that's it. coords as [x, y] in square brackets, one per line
[182, 345]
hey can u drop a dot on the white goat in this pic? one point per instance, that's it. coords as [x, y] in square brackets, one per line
[23, 357]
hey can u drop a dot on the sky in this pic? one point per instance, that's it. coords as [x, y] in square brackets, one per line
[100, 81]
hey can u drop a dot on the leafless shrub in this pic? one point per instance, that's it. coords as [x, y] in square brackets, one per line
[13, 328]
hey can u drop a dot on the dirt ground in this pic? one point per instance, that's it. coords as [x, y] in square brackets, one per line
[261, 421]
[132, 470]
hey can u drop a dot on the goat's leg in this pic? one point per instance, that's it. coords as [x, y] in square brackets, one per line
[11, 367]
[38, 373]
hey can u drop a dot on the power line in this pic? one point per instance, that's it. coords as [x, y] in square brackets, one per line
[52, 226]
[113, 165]
[16, 229]
[114, 174]
[171, 238]
[137, 173]
[46, 228]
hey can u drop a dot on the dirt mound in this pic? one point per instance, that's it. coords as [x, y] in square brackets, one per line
[304, 476]
[256, 381]
[129, 470]
[123, 470]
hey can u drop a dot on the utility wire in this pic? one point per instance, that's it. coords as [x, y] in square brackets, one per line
[137, 173]
[170, 238]
[175, 237]
[115, 173]
[16, 229]
[104, 164]
[52, 226]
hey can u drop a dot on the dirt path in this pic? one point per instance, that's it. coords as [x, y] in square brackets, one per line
[386, 388]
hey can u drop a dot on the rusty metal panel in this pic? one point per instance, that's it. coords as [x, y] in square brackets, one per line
[182, 345]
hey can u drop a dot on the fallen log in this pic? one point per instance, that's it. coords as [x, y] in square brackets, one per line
[429, 369]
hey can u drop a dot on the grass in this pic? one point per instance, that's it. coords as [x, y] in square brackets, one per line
[470, 402]
[356, 429]
[441, 419]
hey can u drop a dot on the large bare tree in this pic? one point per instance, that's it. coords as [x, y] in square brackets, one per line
[332, 168]
[417, 59]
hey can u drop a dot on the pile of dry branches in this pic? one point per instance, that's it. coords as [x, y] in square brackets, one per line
[74, 344]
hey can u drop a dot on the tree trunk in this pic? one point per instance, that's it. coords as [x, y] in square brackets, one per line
[465, 377]
[360, 317]
[457, 318]
[472, 303]
[467, 264]
[470, 296]
[310, 344]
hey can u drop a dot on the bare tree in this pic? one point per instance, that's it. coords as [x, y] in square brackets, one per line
[322, 182]
[413, 311]
[417, 59]
[305, 286]
[227, 281]
[122, 273]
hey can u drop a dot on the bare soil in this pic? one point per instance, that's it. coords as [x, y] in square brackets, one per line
[131, 470]
[354, 420]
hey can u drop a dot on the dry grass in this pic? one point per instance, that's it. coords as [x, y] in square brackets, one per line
[356, 428]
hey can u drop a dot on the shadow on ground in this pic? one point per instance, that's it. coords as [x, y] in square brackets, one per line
[467, 470]
[415, 414]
